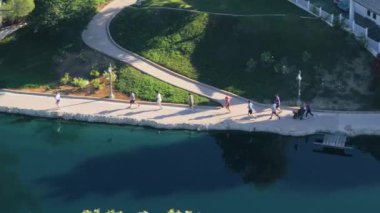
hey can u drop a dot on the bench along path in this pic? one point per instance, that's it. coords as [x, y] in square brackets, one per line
[96, 36]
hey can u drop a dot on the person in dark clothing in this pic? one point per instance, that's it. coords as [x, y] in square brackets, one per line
[298, 114]
[308, 110]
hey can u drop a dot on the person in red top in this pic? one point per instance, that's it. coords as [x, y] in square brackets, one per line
[228, 101]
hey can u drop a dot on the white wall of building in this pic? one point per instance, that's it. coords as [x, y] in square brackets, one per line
[359, 9]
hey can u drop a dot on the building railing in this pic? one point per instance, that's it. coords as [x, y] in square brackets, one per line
[331, 19]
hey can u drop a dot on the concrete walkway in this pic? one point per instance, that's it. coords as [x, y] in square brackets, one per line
[181, 117]
[97, 37]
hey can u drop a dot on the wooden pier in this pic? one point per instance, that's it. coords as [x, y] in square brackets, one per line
[337, 141]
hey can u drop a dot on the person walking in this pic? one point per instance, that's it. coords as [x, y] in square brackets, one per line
[274, 111]
[308, 110]
[278, 103]
[132, 100]
[159, 99]
[227, 103]
[58, 99]
[251, 110]
[191, 101]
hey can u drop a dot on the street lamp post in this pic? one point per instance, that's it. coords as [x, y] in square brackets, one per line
[299, 79]
[111, 95]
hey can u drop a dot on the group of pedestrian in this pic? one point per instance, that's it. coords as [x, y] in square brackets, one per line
[133, 101]
[304, 109]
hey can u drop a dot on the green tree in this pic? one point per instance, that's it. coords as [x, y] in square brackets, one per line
[18, 9]
[51, 13]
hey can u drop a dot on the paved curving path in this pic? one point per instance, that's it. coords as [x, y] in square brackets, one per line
[97, 37]
[175, 116]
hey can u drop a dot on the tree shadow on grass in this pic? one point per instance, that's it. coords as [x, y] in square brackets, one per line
[28, 58]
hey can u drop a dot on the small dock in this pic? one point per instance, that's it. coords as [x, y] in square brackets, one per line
[337, 141]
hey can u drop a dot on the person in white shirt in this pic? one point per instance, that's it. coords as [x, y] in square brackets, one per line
[159, 99]
[274, 110]
[191, 101]
[132, 100]
[57, 99]
[251, 110]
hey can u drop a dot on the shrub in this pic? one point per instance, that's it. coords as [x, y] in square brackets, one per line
[306, 56]
[80, 82]
[267, 58]
[94, 74]
[282, 67]
[106, 75]
[66, 79]
[251, 65]
[96, 84]
[363, 41]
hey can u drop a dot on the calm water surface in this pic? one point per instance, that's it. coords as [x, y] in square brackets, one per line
[59, 166]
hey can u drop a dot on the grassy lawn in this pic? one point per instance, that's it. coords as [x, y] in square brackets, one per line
[231, 6]
[145, 87]
[254, 57]
[37, 60]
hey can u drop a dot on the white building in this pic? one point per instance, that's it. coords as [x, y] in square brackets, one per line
[369, 9]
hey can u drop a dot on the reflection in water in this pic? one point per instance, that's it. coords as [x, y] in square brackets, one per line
[259, 158]
[14, 195]
[189, 166]
[55, 133]
[369, 144]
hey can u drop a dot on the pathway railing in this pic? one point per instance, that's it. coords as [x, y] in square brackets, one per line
[359, 31]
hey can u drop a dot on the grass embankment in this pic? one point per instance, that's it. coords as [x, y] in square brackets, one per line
[256, 57]
[146, 86]
[230, 6]
[38, 59]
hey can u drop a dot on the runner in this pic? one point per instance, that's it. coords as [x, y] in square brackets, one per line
[132, 100]
[191, 101]
[278, 103]
[58, 99]
[228, 102]
[159, 99]
[251, 110]
[274, 111]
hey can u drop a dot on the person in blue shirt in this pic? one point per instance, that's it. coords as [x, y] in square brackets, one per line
[308, 110]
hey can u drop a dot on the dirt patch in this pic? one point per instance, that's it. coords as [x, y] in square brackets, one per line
[74, 91]
[80, 64]
[346, 86]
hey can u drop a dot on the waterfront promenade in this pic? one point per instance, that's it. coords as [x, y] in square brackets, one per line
[181, 117]
[97, 36]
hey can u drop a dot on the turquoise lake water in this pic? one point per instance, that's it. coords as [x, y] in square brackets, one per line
[60, 166]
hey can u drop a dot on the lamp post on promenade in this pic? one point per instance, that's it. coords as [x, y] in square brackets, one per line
[299, 79]
[111, 95]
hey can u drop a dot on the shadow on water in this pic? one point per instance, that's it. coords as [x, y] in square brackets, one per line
[198, 165]
[368, 144]
[259, 159]
[192, 166]
[14, 195]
